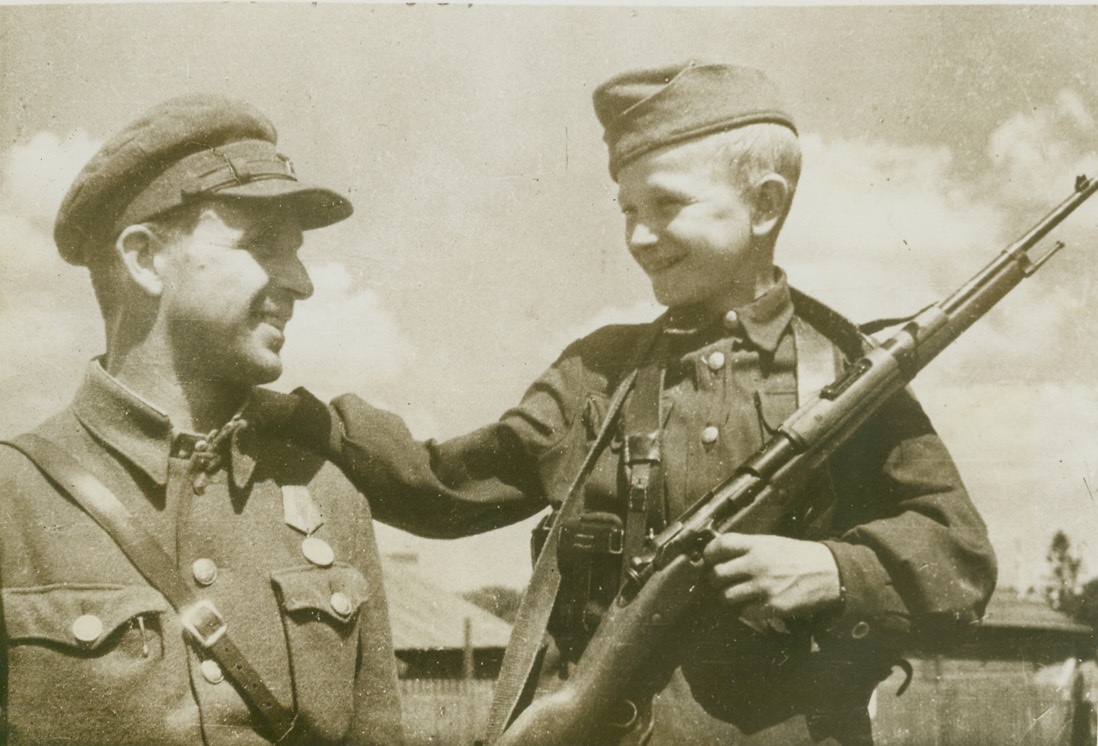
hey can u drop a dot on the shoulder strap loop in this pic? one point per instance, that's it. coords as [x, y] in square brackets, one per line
[643, 436]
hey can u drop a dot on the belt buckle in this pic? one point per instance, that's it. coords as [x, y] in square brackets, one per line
[593, 539]
[204, 623]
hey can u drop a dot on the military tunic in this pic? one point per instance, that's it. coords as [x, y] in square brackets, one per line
[94, 655]
[911, 549]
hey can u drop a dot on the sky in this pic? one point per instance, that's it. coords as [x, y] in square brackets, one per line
[486, 234]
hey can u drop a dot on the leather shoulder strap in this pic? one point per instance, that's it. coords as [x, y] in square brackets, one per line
[825, 341]
[204, 624]
[819, 362]
[843, 333]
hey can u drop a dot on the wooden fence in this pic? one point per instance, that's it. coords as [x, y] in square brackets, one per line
[445, 712]
[949, 703]
[975, 703]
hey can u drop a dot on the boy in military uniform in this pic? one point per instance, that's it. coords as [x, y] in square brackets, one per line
[706, 159]
[172, 570]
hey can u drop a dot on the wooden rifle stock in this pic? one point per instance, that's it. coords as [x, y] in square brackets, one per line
[667, 582]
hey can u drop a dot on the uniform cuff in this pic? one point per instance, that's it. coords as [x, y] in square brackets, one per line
[870, 611]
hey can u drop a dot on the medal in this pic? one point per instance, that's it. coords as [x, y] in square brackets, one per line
[317, 551]
[299, 510]
[301, 513]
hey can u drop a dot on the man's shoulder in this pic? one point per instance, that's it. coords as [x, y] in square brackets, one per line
[613, 348]
[62, 429]
[285, 461]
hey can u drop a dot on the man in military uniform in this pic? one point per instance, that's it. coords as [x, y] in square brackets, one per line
[173, 570]
[707, 161]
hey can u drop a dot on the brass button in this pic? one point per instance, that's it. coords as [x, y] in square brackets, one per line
[201, 445]
[715, 361]
[317, 551]
[859, 630]
[211, 671]
[204, 570]
[732, 321]
[710, 434]
[87, 628]
[341, 603]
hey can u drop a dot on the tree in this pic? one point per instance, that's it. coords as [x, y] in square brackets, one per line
[1064, 566]
[1085, 608]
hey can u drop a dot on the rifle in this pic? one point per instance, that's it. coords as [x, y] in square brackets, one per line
[666, 581]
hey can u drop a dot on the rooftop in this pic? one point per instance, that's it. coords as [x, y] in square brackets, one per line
[425, 616]
[1008, 608]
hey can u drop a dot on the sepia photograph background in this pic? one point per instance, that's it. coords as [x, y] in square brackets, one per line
[486, 235]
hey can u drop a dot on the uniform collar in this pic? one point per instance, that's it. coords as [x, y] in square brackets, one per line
[139, 432]
[762, 322]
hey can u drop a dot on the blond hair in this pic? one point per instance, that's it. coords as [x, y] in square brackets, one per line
[757, 150]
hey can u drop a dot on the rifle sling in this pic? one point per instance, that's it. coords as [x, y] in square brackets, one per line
[514, 683]
[206, 628]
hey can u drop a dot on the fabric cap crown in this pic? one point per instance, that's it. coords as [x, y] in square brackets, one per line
[187, 148]
[642, 110]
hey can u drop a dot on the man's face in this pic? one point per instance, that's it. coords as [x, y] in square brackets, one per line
[229, 291]
[689, 227]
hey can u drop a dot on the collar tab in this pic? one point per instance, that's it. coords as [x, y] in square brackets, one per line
[762, 322]
[143, 435]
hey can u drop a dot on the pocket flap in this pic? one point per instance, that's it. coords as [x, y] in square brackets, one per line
[337, 591]
[82, 616]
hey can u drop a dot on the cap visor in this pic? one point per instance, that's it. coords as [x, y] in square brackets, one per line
[316, 207]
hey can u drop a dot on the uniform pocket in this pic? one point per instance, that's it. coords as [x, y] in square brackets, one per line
[320, 609]
[76, 651]
[84, 620]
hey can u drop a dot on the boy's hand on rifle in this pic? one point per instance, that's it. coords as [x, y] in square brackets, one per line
[783, 576]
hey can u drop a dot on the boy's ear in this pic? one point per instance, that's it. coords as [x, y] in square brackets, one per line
[771, 204]
[138, 247]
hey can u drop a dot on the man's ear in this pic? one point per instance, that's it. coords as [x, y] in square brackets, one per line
[771, 204]
[137, 248]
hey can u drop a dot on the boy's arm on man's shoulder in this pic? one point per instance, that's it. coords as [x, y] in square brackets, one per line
[468, 485]
[491, 477]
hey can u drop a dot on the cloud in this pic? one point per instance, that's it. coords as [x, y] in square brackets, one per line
[34, 177]
[873, 225]
[49, 323]
[343, 339]
[880, 230]
[36, 174]
[1034, 151]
